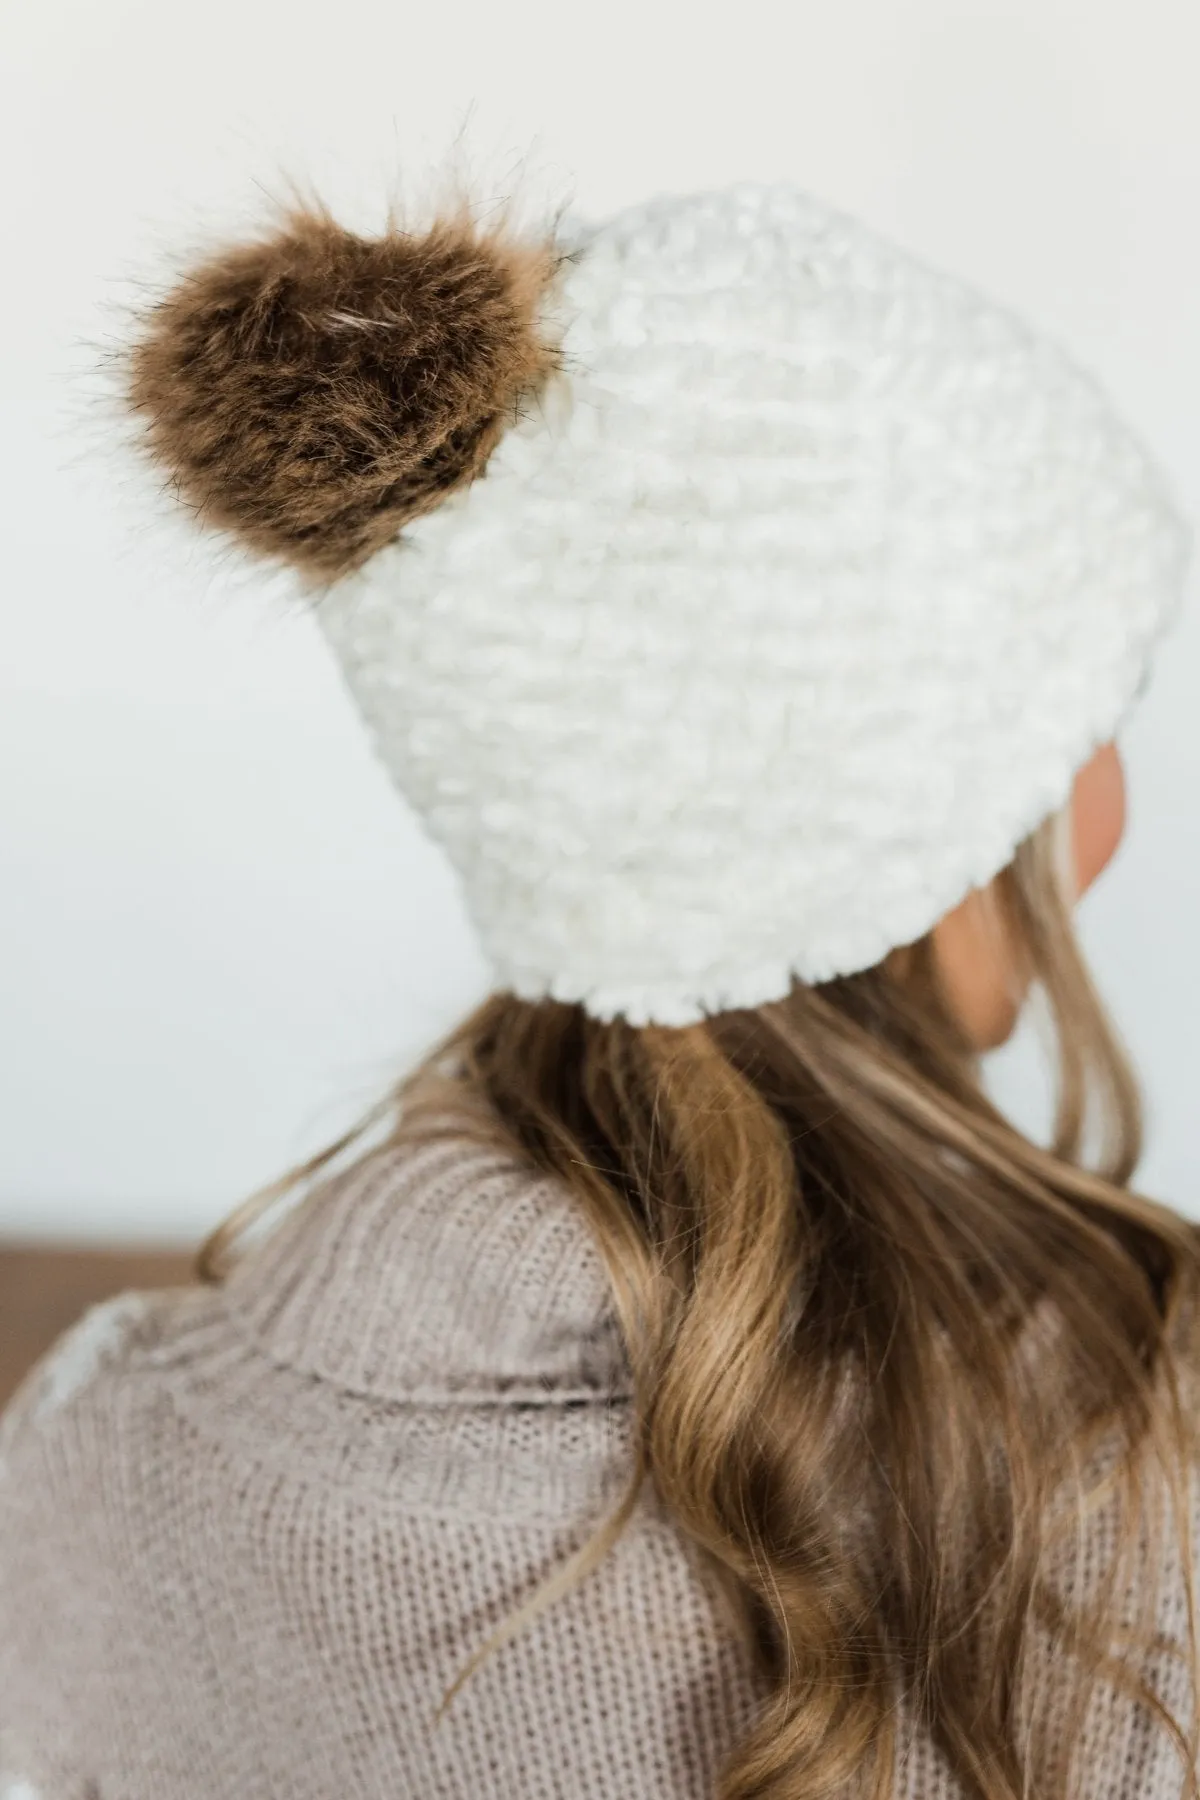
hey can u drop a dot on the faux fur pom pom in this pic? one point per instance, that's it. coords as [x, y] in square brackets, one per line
[314, 391]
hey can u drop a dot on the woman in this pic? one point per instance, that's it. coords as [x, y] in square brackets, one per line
[697, 1387]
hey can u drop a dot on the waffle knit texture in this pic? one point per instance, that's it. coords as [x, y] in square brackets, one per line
[772, 628]
[249, 1536]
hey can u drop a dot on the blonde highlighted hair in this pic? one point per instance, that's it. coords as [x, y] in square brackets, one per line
[894, 1363]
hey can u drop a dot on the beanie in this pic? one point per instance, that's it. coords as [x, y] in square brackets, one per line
[727, 591]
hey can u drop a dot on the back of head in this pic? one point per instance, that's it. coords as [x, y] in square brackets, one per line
[731, 596]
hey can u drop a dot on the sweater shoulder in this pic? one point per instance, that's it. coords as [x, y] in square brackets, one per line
[432, 1325]
[204, 1547]
[103, 1344]
[260, 1515]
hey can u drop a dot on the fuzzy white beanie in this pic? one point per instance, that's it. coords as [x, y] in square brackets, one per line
[762, 627]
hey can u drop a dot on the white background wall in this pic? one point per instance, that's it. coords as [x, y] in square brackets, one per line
[221, 933]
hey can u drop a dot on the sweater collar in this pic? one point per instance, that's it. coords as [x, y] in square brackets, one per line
[437, 1269]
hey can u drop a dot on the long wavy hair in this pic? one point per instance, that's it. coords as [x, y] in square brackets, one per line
[894, 1363]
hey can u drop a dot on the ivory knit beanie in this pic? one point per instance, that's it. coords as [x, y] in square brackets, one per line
[727, 591]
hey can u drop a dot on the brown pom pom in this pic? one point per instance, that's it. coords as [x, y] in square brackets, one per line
[314, 391]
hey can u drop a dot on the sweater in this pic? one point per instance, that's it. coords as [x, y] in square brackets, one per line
[250, 1534]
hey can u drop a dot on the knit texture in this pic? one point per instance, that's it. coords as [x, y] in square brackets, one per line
[248, 1536]
[773, 627]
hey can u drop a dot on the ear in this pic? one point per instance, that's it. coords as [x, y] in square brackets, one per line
[313, 391]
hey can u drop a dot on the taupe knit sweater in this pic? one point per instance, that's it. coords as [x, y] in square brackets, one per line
[249, 1535]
